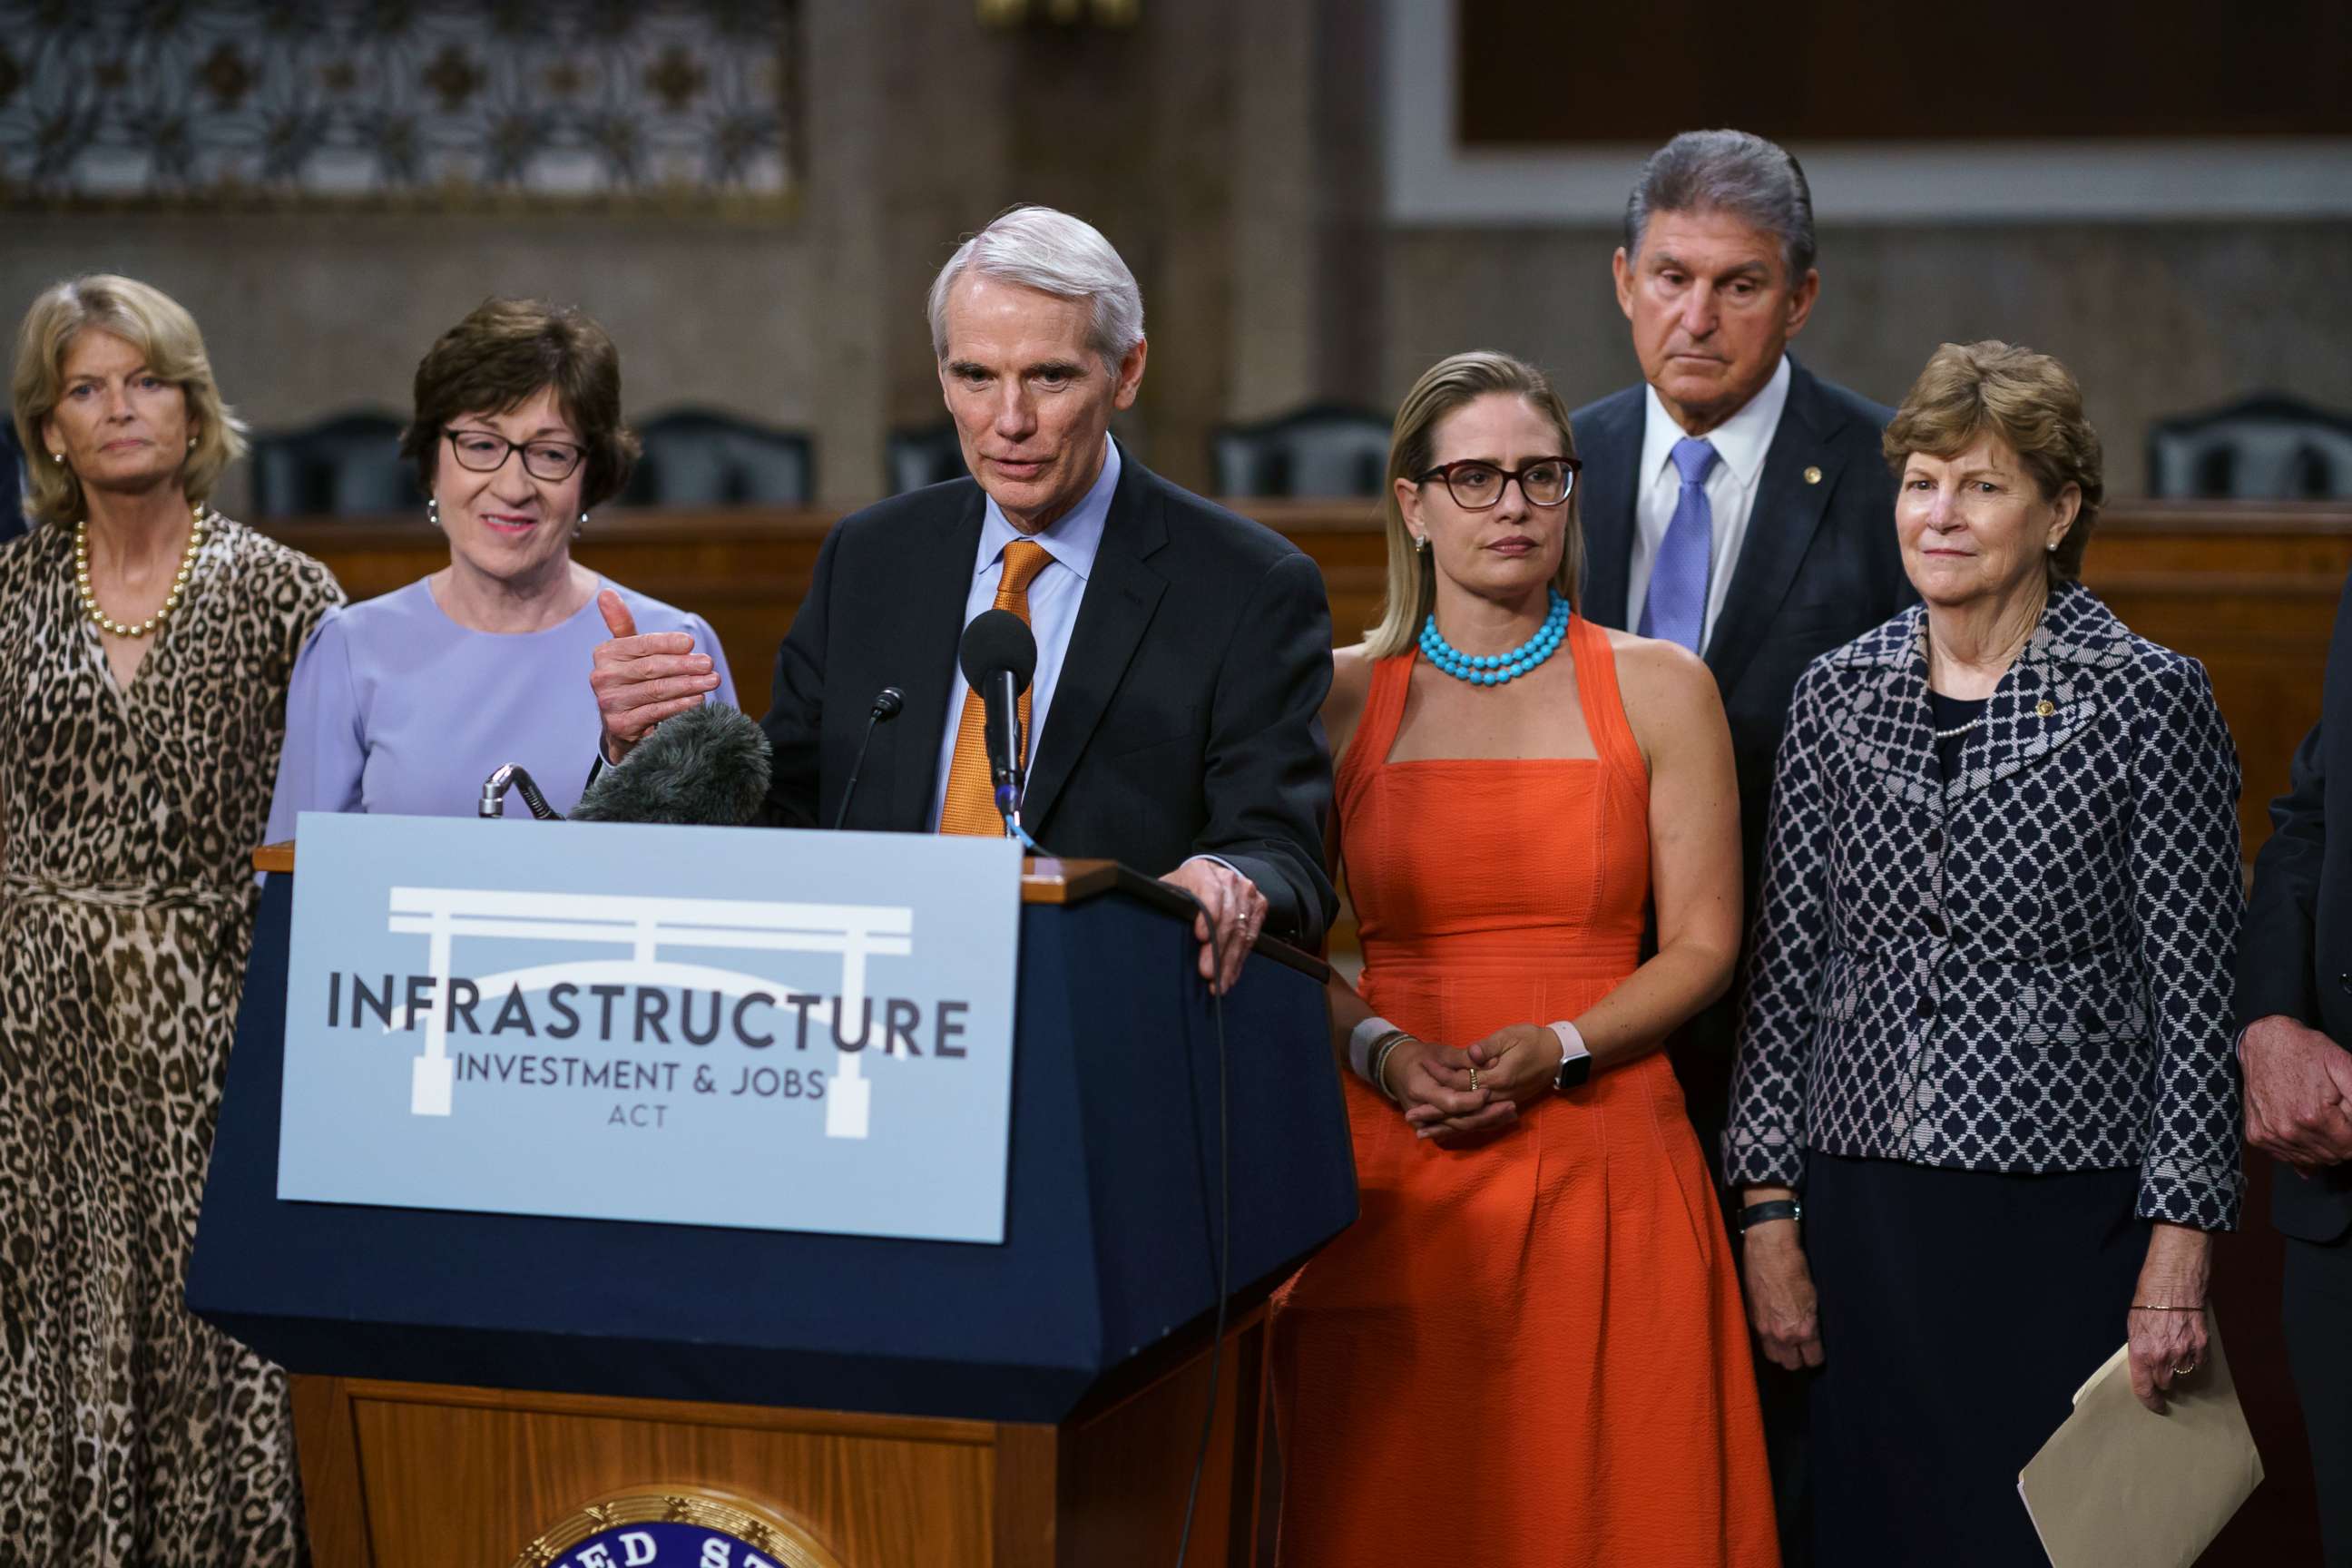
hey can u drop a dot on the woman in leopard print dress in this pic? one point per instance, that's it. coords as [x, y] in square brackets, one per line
[136, 756]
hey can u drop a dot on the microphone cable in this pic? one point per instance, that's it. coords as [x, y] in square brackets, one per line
[1008, 806]
[1224, 1267]
[887, 704]
[1224, 1244]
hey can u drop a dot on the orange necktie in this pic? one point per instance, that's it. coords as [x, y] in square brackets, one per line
[971, 804]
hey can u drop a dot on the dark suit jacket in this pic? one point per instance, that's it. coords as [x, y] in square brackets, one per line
[2296, 955]
[1185, 722]
[1819, 567]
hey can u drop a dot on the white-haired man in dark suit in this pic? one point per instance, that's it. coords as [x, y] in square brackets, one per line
[1182, 652]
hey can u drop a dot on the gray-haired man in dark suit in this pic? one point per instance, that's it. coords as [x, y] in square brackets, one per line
[1738, 505]
[2295, 1000]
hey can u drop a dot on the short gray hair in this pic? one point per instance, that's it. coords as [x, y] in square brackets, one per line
[1732, 172]
[1052, 253]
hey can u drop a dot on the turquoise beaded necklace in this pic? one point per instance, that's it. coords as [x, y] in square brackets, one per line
[1496, 668]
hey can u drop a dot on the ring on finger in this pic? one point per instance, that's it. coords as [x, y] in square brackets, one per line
[2185, 1368]
[1474, 1080]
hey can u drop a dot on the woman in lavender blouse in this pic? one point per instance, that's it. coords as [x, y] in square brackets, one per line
[407, 702]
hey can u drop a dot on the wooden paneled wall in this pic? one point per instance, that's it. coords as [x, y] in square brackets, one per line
[2249, 589]
[2269, 76]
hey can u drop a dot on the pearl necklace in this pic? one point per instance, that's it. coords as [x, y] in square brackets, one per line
[106, 623]
[1496, 668]
[1955, 734]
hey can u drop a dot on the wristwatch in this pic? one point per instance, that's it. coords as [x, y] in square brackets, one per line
[1575, 1061]
[1770, 1209]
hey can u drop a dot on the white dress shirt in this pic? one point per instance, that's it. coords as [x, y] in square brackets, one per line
[1054, 593]
[1740, 445]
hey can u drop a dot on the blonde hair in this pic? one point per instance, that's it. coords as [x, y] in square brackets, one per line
[166, 337]
[2028, 400]
[1445, 386]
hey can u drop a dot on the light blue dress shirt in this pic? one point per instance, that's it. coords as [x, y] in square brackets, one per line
[1055, 594]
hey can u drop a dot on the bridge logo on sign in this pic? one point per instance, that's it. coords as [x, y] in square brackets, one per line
[638, 928]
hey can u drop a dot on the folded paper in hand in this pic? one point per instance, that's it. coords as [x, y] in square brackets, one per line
[2119, 1486]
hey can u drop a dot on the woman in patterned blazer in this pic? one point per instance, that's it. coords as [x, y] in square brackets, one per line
[1985, 1031]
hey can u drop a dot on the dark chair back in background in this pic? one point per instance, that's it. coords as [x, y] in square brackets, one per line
[347, 465]
[916, 456]
[1326, 450]
[12, 483]
[699, 458]
[2266, 447]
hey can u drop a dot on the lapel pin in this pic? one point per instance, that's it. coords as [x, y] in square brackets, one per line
[1812, 475]
[2044, 709]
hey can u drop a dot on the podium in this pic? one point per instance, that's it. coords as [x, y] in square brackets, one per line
[466, 1383]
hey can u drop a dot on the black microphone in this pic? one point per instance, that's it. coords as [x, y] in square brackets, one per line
[887, 703]
[999, 656]
[705, 767]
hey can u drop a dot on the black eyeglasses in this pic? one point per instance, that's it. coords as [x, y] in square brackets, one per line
[486, 454]
[1476, 486]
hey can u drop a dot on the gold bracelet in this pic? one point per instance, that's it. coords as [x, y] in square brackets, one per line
[2159, 1307]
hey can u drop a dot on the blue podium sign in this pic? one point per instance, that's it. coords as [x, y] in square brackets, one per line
[693, 1025]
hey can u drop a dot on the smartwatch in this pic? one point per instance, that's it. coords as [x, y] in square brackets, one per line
[1575, 1061]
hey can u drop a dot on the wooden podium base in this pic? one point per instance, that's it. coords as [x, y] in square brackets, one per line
[406, 1474]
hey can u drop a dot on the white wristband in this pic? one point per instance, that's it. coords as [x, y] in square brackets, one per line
[1360, 1041]
[1572, 1042]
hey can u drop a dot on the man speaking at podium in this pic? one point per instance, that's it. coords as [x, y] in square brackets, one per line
[1182, 652]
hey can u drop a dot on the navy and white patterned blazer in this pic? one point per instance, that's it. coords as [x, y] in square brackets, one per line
[2027, 969]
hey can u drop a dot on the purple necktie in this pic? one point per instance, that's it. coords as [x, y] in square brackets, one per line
[1675, 607]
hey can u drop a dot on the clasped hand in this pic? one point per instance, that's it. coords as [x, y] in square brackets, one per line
[1453, 1096]
[2298, 1093]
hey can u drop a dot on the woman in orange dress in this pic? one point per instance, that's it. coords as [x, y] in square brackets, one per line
[1530, 1348]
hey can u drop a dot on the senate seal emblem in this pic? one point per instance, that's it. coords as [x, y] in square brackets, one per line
[675, 1527]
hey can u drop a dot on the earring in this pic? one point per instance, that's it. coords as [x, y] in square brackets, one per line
[57, 458]
[1421, 543]
[432, 510]
[192, 443]
[2053, 547]
[580, 527]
